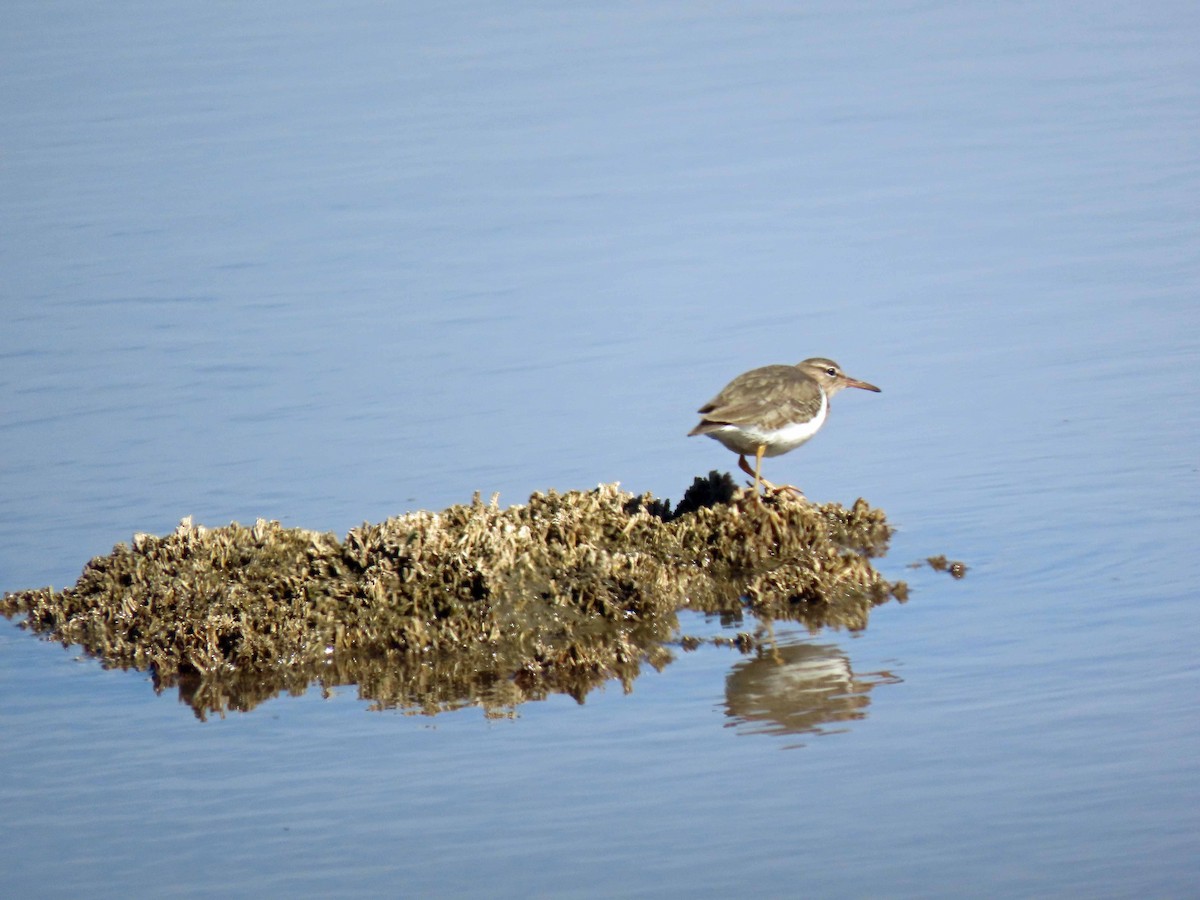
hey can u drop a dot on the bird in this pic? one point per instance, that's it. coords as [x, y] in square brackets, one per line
[773, 409]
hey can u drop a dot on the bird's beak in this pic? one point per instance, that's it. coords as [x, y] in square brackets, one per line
[854, 382]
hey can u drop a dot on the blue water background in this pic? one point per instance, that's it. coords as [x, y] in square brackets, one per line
[329, 262]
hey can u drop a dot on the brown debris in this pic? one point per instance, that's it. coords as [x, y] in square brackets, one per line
[941, 563]
[474, 605]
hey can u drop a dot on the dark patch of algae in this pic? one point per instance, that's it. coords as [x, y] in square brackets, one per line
[475, 605]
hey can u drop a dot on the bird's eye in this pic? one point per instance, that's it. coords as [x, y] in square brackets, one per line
[831, 372]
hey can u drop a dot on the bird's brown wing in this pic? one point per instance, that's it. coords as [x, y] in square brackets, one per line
[768, 397]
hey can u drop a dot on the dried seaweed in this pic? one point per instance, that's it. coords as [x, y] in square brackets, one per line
[472, 605]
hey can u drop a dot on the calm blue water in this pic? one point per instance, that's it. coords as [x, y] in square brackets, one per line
[336, 262]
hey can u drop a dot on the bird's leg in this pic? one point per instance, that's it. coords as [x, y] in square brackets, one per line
[756, 471]
[776, 488]
[745, 467]
[767, 486]
[781, 488]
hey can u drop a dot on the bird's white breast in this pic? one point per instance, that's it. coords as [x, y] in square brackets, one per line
[748, 438]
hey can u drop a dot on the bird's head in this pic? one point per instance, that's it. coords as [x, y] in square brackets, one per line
[830, 376]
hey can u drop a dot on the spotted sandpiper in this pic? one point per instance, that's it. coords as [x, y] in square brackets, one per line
[769, 411]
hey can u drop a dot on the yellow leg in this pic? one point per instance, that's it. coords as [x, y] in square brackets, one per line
[759, 480]
[757, 470]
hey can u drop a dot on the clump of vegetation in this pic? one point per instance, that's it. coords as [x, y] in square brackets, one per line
[472, 605]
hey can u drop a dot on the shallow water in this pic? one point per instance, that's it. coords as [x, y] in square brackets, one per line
[333, 267]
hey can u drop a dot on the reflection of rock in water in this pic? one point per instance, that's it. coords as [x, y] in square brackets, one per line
[474, 605]
[797, 689]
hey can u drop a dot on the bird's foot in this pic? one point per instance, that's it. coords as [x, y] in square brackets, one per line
[777, 489]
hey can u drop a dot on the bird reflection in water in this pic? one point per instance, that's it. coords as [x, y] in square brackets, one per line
[801, 688]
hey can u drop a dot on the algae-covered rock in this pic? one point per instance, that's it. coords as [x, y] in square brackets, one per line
[472, 605]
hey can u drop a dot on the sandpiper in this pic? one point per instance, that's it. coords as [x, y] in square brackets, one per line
[769, 411]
